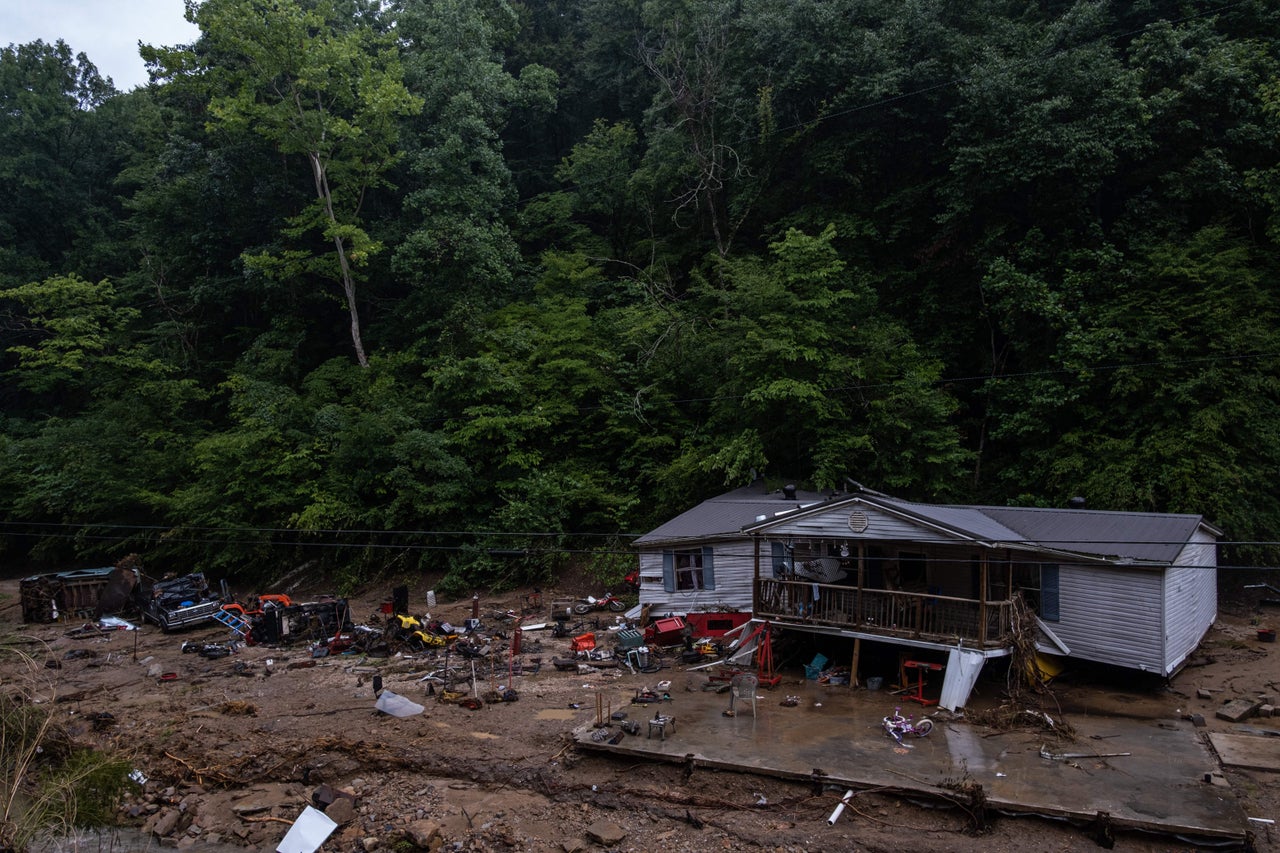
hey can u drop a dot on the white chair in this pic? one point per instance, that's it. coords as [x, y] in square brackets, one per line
[743, 686]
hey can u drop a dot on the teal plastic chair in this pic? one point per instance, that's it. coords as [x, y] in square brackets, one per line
[814, 668]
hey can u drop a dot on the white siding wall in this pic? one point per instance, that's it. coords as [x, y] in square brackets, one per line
[1112, 615]
[1191, 599]
[734, 569]
[835, 525]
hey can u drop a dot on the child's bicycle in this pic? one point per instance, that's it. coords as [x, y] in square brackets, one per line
[896, 726]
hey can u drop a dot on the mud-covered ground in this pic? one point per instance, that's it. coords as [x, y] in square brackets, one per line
[233, 748]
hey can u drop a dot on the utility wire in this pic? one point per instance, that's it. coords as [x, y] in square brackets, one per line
[765, 559]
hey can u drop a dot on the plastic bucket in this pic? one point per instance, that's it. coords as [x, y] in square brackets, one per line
[875, 682]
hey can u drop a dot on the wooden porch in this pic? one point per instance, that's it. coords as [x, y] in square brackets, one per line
[890, 613]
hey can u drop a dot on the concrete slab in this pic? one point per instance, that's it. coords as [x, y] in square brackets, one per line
[1255, 752]
[835, 735]
[1239, 709]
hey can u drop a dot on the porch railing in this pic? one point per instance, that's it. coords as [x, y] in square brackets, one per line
[923, 616]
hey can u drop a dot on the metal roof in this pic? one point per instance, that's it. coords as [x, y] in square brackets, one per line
[1139, 537]
[968, 521]
[729, 513]
[1149, 537]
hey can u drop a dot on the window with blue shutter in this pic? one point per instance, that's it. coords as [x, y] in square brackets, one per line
[687, 570]
[1049, 592]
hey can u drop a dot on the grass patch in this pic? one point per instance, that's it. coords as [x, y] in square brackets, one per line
[50, 785]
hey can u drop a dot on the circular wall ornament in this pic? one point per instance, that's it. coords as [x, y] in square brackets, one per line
[858, 521]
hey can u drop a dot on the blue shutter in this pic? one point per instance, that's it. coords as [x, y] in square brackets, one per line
[669, 571]
[1049, 592]
[708, 571]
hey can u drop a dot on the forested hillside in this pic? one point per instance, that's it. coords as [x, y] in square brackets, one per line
[483, 286]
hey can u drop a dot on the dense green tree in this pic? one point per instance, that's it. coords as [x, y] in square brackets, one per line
[104, 430]
[612, 255]
[320, 85]
[818, 400]
[55, 160]
[456, 244]
[601, 210]
[1164, 396]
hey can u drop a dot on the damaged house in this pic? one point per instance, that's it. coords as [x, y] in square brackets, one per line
[1130, 589]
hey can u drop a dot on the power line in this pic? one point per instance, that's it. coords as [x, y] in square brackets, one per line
[525, 534]
[536, 552]
[300, 530]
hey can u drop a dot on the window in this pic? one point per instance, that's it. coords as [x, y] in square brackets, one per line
[1026, 580]
[688, 570]
[1049, 592]
[783, 561]
[1038, 583]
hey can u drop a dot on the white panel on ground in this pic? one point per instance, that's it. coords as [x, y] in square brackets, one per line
[963, 667]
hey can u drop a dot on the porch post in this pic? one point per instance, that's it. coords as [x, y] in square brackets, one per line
[755, 581]
[982, 600]
[857, 616]
[862, 568]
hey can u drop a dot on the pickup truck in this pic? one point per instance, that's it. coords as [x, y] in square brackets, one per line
[182, 601]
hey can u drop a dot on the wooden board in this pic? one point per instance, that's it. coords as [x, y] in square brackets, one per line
[1256, 752]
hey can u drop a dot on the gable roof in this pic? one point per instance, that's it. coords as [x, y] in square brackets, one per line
[1124, 537]
[1140, 536]
[729, 513]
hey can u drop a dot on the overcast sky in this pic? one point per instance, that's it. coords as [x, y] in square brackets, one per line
[107, 31]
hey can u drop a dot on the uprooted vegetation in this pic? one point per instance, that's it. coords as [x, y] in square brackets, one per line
[50, 783]
[1029, 701]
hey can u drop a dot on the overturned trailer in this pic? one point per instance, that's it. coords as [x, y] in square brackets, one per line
[74, 593]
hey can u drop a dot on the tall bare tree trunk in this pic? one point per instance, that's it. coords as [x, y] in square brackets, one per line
[348, 281]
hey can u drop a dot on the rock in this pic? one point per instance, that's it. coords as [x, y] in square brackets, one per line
[423, 833]
[341, 811]
[369, 844]
[1204, 693]
[251, 807]
[1197, 720]
[324, 795]
[1267, 711]
[606, 833]
[167, 822]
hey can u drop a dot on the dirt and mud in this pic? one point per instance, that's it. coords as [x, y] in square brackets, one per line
[233, 748]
